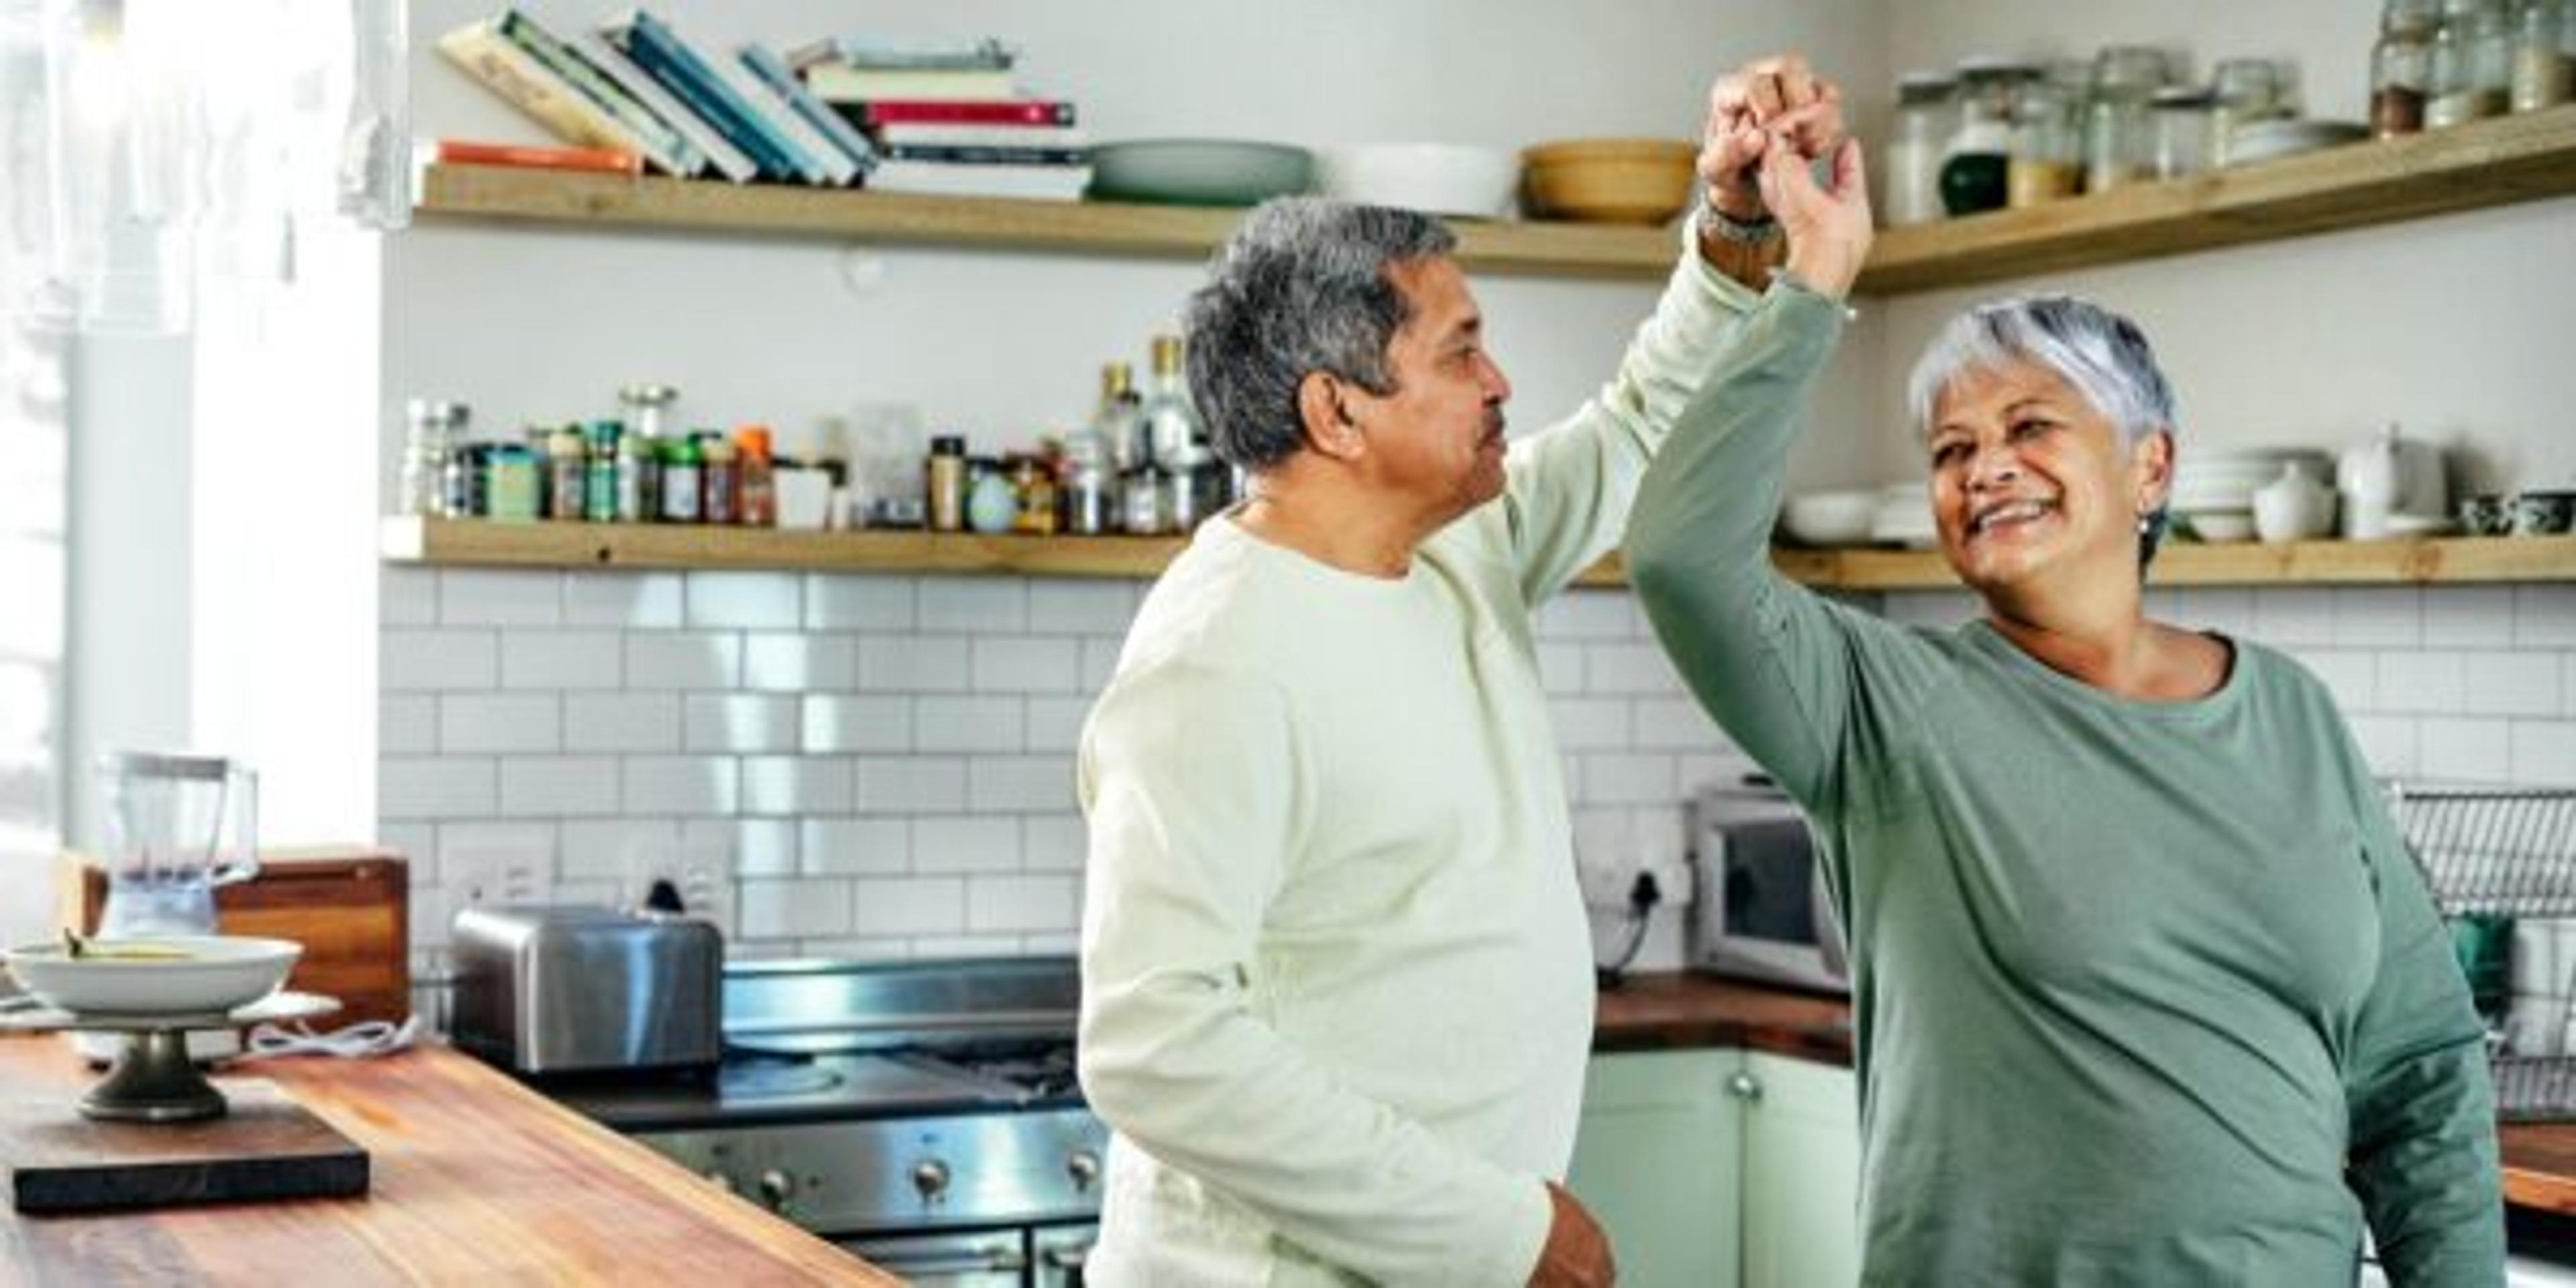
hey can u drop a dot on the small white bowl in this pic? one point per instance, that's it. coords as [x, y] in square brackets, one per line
[209, 975]
[2221, 527]
[1435, 178]
[1830, 518]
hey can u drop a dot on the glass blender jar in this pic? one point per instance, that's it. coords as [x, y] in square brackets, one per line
[165, 828]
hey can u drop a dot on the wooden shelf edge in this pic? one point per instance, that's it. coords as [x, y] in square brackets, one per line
[613, 546]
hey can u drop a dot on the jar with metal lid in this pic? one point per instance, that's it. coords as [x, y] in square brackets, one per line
[2541, 68]
[2118, 126]
[1927, 110]
[2182, 142]
[720, 479]
[2242, 92]
[433, 429]
[599, 471]
[2047, 151]
[682, 484]
[2472, 64]
[1976, 165]
[992, 504]
[1033, 485]
[945, 474]
[512, 487]
[2401, 67]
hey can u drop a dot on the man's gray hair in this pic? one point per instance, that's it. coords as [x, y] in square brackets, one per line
[1300, 287]
[2102, 354]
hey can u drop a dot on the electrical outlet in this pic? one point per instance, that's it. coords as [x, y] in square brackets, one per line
[481, 873]
[698, 868]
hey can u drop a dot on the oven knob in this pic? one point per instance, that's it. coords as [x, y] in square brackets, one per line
[930, 1176]
[1084, 1168]
[776, 1187]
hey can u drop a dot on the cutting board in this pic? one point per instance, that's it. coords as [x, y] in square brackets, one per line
[267, 1147]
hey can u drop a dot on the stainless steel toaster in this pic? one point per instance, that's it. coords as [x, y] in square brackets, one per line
[559, 989]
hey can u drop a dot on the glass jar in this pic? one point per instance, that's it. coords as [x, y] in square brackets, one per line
[1927, 110]
[721, 484]
[992, 504]
[681, 483]
[2472, 64]
[756, 479]
[945, 477]
[1033, 487]
[2541, 69]
[567, 474]
[2047, 149]
[637, 468]
[513, 486]
[2242, 91]
[2182, 135]
[647, 412]
[433, 428]
[2118, 126]
[2401, 68]
[1144, 502]
[1976, 165]
[599, 471]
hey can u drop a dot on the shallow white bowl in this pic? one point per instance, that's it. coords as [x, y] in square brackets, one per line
[1435, 178]
[213, 973]
[2221, 527]
[1830, 518]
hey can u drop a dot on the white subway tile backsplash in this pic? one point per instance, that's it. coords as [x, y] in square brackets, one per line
[2293, 616]
[858, 602]
[622, 722]
[982, 605]
[687, 786]
[1055, 724]
[913, 663]
[907, 905]
[855, 722]
[1026, 665]
[1587, 615]
[558, 786]
[1053, 842]
[911, 785]
[406, 724]
[562, 659]
[796, 785]
[2512, 684]
[1631, 669]
[1675, 724]
[500, 597]
[787, 909]
[691, 660]
[1560, 668]
[2544, 752]
[2468, 617]
[500, 722]
[1589, 724]
[421, 787]
[741, 723]
[994, 945]
[1100, 663]
[1019, 784]
[417, 843]
[1629, 780]
[2228, 610]
[636, 600]
[744, 600]
[965, 845]
[2351, 676]
[1081, 607]
[406, 596]
[2422, 682]
[2544, 616]
[969, 724]
[1054, 943]
[2386, 742]
[2464, 750]
[856, 846]
[799, 663]
[422, 661]
[1022, 903]
[2378, 616]
[611, 847]
[767, 847]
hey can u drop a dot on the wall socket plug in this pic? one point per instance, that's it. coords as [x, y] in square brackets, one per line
[697, 867]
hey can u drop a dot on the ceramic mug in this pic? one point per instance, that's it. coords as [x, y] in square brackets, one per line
[2542, 514]
[2485, 515]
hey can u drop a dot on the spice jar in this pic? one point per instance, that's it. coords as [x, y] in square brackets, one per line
[720, 481]
[1927, 108]
[2472, 64]
[992, 505]
[946, 477]
[599, 471]
[513, 485]
[756, 479]
[634, 467]
[1144, 502]
[2540, 67]
[681, 482]
[433, 427]
[2182, 131]
[2119, 130]
[1976, 166]
[2401, 68]
[2047, 153]
[1033, 484]
[567, 474]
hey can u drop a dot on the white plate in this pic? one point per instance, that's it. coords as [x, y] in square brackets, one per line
[213, 973]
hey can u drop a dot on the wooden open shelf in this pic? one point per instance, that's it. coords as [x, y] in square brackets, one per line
[2487, 163]
[482, 543]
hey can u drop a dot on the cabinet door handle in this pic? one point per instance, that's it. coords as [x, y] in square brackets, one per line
[1744, 1086]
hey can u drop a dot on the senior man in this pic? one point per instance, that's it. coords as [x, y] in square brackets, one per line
[1337, 987]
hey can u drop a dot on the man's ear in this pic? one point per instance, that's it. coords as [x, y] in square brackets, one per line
[1323, 408]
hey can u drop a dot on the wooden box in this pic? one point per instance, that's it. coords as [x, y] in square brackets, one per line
[349, 907]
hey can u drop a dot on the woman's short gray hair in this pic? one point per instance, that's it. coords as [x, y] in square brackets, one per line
[1300, 287]
[2102, 354]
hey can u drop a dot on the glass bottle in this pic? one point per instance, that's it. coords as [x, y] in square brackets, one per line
[2047, 153]
[1144, 500]
[757, 478]
[2118, 127]
[945, 474]
[2401, 68]
[1086, 494]
[567, 474]
[2541, 70]
[429, 449]
[681, 488]
[2182, 132]
[634, 503]
[2491, 55]
[1927, 108]
[1120, 418]
[720, 479]
[1172, 425]
[1033, 486]
[1976, 164]
[599, 471]
[647, 410]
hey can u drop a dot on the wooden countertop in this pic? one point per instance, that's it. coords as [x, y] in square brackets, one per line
[475, 1180]
[1673, 1009]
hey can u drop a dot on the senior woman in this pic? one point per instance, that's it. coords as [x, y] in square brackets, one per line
[2146, 986]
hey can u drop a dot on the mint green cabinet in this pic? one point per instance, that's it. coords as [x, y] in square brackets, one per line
[1657, 1160]
[1718, 1168]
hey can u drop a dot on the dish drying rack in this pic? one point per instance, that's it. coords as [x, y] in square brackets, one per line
[2504, 852]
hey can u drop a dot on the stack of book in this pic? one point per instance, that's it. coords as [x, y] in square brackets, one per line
[634, 86]
[949, 117]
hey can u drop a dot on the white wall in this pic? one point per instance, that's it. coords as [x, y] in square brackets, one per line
[2457, 327]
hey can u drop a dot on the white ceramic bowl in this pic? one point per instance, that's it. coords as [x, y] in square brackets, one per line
[2221, 527]
[1830, 518]
[205, 974]
[1435, 178]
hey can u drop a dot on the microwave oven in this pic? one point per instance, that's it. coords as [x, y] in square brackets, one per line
[1761, 909]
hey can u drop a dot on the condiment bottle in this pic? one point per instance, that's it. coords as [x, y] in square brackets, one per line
[567, 474]
[680, 485]
[756, 483]
[718, 465]
[945, 474]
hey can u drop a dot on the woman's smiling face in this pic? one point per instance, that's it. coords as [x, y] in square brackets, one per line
[2028, 476]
